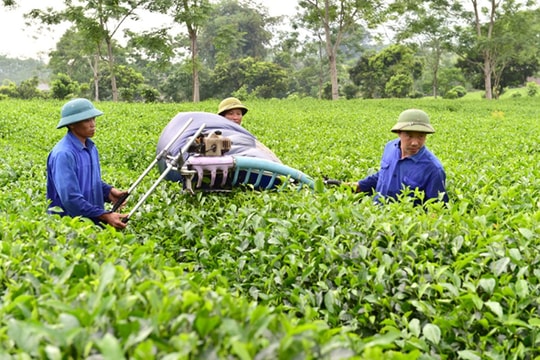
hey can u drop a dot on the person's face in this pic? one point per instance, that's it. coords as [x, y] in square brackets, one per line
[84, 129]
[234, 115]
[411, 142]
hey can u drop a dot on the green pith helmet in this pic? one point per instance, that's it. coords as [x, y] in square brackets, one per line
[77, 110]
[413, 120]
[231, 103]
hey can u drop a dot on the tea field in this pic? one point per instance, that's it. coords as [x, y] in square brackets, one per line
[322, 274]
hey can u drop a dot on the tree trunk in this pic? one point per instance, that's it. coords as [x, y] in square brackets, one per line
[331, 51]
[487, 68]
[435, 84]
[487, 75]
[436, 63]
[194, 64]
[497, 76]
[95, 69]
[334, 76]
[321, 71]
[114, 89]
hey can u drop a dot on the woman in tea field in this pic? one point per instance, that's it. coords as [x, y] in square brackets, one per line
[407, 163]
[74, 184]
[232, 109]
[243, 142]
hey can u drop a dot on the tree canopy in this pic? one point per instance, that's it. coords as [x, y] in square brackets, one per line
[329, 49]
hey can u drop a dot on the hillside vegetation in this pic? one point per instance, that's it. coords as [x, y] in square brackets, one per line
[279, 275]
[17, 70]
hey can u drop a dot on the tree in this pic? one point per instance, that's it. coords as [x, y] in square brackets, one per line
[128, 80]
[98, 21]
[8, 89]
[18, 70]
[151, 53]
[257, 78]
[235, 31]
[303, 60]
[178, 82]
[398, 85]
[389, 73]
[428, 24]
[63, 86]
[73, 57]
[515, 72]
[28, 89]
[193, 15]
[329, 20]
[449, 76]
[499, 34]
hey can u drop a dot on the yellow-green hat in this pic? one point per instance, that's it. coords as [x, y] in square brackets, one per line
[231, 103]
[413, 120]
[77, 110]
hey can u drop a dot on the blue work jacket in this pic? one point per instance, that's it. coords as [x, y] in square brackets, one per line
[74, 179]
[422, 171]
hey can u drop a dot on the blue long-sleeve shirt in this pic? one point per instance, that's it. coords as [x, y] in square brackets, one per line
[422, 171]
[74, 179]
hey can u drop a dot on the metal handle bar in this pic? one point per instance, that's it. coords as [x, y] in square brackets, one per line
[173, 163]
[162, 154]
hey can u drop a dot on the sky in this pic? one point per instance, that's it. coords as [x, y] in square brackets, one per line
[21, 41]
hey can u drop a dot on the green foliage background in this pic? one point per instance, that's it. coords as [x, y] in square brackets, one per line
[279, 275]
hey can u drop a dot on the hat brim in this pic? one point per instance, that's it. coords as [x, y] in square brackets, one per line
[241, 107]
[413, 127]
[72, 119]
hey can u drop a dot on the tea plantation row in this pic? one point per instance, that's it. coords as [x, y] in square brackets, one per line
[279, 275]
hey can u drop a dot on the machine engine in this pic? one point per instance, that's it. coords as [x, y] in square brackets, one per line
[208, 157]
[213, 144]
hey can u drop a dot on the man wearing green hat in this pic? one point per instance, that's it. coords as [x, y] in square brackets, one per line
[407, 163]
[232, 109]
[74, 184]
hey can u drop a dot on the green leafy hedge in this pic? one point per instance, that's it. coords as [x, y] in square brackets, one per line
[279, 275]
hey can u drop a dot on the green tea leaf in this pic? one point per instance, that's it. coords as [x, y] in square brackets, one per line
[414, 327]
[469, 355]
[488, 285]
[527, 233]
[432, 333]
[522, 288]
[241, 350]
[53, 352]
[500, 266]
[110, 348]
[495, 307]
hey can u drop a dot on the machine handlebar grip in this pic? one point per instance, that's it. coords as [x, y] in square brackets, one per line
[120, 201]
[332, 182]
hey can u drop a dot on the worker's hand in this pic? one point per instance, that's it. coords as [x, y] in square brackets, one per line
[114, 219]
[352, 185]
[115, 195]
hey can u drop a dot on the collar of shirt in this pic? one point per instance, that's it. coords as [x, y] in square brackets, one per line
[416, 157]
[78, 144]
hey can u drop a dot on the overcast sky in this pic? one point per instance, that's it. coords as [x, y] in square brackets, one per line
[19, 41]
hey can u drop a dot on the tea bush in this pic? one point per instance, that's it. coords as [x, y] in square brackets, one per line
[279, 275]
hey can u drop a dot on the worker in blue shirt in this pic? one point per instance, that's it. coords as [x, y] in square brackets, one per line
[407, 163]
[74, 184]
